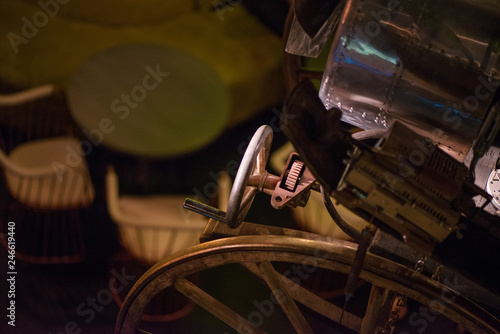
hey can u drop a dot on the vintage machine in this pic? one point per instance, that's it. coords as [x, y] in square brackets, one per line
[401, 128]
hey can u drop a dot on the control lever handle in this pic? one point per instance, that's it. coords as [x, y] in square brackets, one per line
[205, 210]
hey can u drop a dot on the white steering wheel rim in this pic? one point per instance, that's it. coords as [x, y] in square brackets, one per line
[253, 163]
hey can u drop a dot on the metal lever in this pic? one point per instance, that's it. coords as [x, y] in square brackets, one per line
[205, 210]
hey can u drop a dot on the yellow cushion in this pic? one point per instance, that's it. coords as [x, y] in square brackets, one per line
[245, 54]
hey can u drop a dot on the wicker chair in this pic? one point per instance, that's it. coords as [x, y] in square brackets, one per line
[151, 227]
[46, 179]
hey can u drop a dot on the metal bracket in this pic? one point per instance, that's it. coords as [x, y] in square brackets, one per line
[295, 185]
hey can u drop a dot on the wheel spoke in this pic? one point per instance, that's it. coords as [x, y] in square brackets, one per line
[248, 198]
[215, 307]
[271, 276]
[376, 301]
[260, 164]
[313, 301]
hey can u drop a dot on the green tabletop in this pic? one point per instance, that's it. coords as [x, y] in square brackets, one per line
[148, 101]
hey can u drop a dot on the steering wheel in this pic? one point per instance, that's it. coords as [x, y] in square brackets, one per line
[252, 168]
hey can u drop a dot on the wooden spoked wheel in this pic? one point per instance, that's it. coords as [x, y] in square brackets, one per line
[262, 255]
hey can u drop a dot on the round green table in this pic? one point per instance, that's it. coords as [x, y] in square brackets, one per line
[148, 101]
